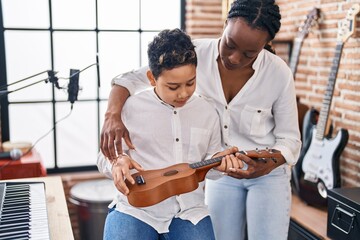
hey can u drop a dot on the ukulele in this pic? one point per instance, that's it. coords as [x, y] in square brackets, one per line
[154, 186]
[320, 158]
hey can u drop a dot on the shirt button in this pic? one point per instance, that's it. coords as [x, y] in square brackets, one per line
[226, 144]
[177, 139]
[175, 112]
[225, 126]
[259, 111]
[226, 107]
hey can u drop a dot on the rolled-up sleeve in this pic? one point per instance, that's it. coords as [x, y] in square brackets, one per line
[287, 134]
[104, 165]
[134, 81]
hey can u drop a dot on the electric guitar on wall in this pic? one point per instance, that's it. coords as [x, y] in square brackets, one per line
[320, 158]
[304, 30]
[154, 186]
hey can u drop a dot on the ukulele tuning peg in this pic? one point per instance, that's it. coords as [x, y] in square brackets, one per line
[263, 160]
[140, 180]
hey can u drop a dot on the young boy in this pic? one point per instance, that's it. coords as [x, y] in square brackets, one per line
[168, 124]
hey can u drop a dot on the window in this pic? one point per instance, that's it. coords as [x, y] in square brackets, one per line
[100, 38]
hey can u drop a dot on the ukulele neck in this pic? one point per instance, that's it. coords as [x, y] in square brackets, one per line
[203, 167]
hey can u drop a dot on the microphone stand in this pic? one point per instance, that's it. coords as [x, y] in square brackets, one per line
[73, 88]
[4, 91]
[51, 77]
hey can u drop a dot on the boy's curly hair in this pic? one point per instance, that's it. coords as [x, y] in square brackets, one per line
[170, 49]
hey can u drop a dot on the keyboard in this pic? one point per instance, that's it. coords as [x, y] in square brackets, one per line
[23, 212]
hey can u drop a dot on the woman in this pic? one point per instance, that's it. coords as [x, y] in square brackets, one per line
[254, 94]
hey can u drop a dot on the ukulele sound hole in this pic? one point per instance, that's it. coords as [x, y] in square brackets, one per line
[170, 173]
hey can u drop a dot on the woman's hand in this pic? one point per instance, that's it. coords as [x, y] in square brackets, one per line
[112, 133]
[121, 171]
[113, 130]
[254, 168]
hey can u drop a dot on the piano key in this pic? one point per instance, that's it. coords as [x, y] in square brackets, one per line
[11, 229]
[9, 217]
[23, 212]
[17, 236]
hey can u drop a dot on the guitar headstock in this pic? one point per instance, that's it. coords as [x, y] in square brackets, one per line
[311, 20]
[263, 154]
[347, 27]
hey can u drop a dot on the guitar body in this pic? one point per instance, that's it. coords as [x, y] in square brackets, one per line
[321, 167]
[310, 120]
[302, 111]
[308, 124]
[161, 184]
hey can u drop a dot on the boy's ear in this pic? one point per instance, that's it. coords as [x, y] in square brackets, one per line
[151, 78]
[225, 24]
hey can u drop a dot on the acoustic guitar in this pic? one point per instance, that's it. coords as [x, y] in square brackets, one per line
[154, 186]
[321, 156]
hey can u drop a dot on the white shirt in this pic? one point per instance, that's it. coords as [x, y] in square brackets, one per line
[262, 114]
[164, 136]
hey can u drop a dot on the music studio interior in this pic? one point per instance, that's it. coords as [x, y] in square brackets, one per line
[56, 64]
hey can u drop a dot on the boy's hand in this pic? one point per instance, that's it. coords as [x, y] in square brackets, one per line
[121, 171]
[230, 160]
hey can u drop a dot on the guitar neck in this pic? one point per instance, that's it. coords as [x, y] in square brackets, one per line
[302, 34]
[325, 109]
[294, 59]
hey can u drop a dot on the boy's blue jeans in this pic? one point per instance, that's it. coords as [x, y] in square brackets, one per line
[120, 226]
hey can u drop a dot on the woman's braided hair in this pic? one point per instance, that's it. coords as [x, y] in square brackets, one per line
[170, 49]
[260, 14]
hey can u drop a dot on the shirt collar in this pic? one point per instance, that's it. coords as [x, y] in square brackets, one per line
[258, 60]
[168, 105]
[216, 49]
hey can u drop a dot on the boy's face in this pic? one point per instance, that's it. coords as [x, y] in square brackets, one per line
[175, 86]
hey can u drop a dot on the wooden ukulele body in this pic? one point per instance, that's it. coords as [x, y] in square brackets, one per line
[161, 184]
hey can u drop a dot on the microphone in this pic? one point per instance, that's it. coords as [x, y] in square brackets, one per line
[14, 154]
[4, 92]
[53, 79]
[73, 87]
